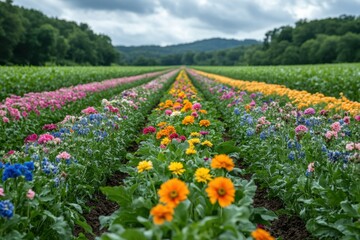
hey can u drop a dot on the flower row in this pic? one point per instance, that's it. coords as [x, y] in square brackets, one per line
[302, 99]
[16, 107]
[182, 180]
[310, 159]
[48, 181]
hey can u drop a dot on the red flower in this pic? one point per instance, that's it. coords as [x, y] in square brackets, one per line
[31, 138]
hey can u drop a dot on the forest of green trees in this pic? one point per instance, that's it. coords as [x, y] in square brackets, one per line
[28, 37]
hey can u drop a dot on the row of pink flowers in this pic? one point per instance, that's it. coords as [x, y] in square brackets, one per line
[16, 107]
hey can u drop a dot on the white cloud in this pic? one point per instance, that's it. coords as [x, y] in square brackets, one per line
[163, 22]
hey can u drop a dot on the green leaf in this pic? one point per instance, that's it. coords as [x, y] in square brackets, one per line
[227, 147]
[118, 194]
[133, 234]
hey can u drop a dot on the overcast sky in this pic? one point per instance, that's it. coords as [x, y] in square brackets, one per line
[164, 22]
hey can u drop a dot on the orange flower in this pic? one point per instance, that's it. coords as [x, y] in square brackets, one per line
[222, 161]
[173, 192]
[203, 111]
[162, 213]
[261, 234]
[188, 120]
[205, 123]
[221, 189]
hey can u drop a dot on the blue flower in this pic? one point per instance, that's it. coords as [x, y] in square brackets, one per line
[250, 132]
[30, 166]
[6, 209]
[263, 135]
[291, 155]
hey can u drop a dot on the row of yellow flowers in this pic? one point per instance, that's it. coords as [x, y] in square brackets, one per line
[185, 104]
[302, 99]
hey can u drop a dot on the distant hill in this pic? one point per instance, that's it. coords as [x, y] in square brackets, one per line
[206, 45]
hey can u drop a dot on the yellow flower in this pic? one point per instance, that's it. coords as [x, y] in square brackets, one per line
[176, 168]
[188, 120]
[195, 134]
[166, 141]
[202, 175]
[161, 124]
[207, 143]
[144, 166]
[204, 123]
[193, 141]
[190, 151]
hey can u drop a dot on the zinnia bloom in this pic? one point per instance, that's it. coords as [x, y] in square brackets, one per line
[89, 110]
[221, 189]
[195, 134]
[173, 192]
[63, 155]
[301, 129]
[190, 151]
[261, 234]
[202, 175]
[165, 141]
[207, 143]
[222, 161]
[30, 194]
[204, 123]
[162, 213]
[144, 166]
[176, 168]
[188, 120]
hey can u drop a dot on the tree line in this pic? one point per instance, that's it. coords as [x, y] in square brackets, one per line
[330, 40]
[28, 37]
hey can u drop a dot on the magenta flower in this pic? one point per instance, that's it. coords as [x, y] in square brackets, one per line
[149, 129]
[357, 118]
[31, 138]
[309, 111]
[194, 114]
[5, 119]
[196, 106]
[44, 138]
[204, 133]
[49, 127]
[347, 120]
[89, 110]
[168, 112]
[301, 129]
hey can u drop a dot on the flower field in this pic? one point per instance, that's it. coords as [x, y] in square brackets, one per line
[194, 150]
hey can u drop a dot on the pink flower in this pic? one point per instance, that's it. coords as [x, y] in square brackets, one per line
[263, 121]
[301, 129]
[309, 111]
[252, 103]
[350, 146]
[311, 167]
[336, 126]
[57, 140]
[347, 120]
[324, 112]
[44, 138]
[194, 114]
[204, 133]
[162, 146]
[357, 118]
[63, 155]
[31, 138]
[89, 110]
[330, 134]
[357, 146]
[30, 194]
[24, 114]
[49, 127]
[112, 109]
[2, 192]
[5, 120]
[196, 106]
[11, 152]
[168, 112]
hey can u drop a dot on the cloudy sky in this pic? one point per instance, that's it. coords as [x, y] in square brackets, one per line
[164, 22]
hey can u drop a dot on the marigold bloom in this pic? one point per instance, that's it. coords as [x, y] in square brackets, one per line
[202, 175]
[173, 192]
[188, 120]
[207, 143]
[204, 123]
[165, 141]
[161, 124]
[144, 166]
[221, 190]
[190, 151]
[162, 213]
[176, 168]
[222, 161]
[261, 234]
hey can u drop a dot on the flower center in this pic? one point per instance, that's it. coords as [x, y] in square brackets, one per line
[173, 194]
[221, 191]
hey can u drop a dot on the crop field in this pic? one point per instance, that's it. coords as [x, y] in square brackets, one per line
[180, 153]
